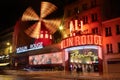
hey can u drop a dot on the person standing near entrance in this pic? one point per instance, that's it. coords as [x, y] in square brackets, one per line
[79, 69]
[88, 68]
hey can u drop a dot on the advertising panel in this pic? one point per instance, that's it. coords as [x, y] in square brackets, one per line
[50, 58]
[85, 56]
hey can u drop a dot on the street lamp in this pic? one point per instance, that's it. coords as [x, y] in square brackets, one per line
[8, 43]
[9, 47]
[61, 27]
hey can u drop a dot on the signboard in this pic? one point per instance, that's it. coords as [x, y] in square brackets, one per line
[85, 55]
[31, 47]
[76, 25]
[81, 40]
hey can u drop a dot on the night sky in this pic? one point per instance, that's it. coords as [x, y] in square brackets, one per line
[12, 10]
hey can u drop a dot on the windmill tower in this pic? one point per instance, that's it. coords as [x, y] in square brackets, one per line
[43, 28]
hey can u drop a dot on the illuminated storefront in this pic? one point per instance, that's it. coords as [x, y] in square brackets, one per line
[79, 49]
[83, 51]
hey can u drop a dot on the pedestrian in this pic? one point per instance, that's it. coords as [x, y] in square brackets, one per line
[81, 70]
[78, 69]
[88, 69]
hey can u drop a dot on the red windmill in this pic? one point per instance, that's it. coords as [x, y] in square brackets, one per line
[43, 29]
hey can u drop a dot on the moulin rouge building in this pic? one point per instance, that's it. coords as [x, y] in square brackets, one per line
[97, 20]
[83, 45]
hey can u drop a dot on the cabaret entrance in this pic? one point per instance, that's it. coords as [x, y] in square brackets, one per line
[83, 52]
[86, 58]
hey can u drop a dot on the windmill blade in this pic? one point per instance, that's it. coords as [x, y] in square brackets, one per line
[29, 15]
[46, 9]
[52, 24]
[34, 30]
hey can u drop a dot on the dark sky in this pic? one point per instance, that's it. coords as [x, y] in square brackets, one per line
[12, 10]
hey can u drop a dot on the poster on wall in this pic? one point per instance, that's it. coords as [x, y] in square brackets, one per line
[85, 56]
[50, 58]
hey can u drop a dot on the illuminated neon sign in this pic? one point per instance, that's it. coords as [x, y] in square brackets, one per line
[81, 40]
[75, 25]
[31, 47]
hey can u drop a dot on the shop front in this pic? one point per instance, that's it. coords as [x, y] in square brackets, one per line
[47, 58]
[83, 52]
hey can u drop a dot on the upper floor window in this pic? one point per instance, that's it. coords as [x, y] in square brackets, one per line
[68, 13]
[94, 17]
[84, 7]
[85, 19]
[93, 3]
[108, 31]
[95, 30]
[76, 10]
[109, 48]
[117, 29]
[118, 47]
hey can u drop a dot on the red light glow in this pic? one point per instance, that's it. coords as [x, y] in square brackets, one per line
[81, 40]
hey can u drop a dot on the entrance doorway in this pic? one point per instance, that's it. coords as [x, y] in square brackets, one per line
[86, 59]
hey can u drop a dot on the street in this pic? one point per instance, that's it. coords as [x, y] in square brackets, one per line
[14, 77]
[54, 75]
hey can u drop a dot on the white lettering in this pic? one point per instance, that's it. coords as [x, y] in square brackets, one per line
[32, 47]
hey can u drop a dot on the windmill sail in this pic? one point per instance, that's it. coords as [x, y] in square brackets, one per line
[34, 30]
[46, 9]
[30, 15]
[52, 24]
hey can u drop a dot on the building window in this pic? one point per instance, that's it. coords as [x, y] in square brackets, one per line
[76, 10]
[84, 7]
[85, 19]
[109, 48]
[93, 3]
[118, 47]
[95, 30]
[117, 29]
[68, 13]
[50, 36]
[41, 35]
[46, 35]
[108, 31]
[94, 17]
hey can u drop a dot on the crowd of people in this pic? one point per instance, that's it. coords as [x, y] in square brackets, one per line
[80, 68]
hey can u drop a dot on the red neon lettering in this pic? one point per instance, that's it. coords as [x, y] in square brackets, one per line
[83, 39]
[77, 40]
[81, 22]
[89, 39]
[67, 41]
[76, 24]
[71, 26]
[70, 41]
